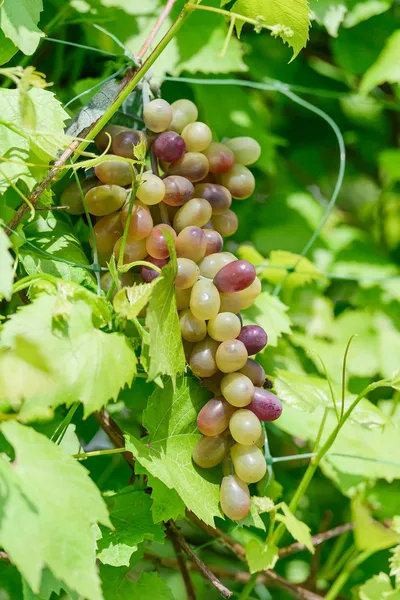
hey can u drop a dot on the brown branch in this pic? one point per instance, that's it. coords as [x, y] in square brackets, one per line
[316, 539]
[115, 434]
[171, 527]
[225, 539]
[182, 565]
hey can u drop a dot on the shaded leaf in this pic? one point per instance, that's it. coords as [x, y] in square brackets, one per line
[387, 66]
[6, 266]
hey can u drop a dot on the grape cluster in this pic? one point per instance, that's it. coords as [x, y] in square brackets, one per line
[191, 200]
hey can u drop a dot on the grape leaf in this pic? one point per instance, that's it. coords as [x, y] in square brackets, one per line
[19, 20]
[44, 486]
[129, 301]
[87, 364]
[261, 555]
[6, 266]
[299, 530]
[292, 17]
[386, 67]
[7, 49]
[369, 534]
[379, 587]
[130, 516]
[48, 585]
[166, 502]
[10, 581]
[171, 421]
[329, 13]
[117, 585]
[361, 11]
[304, 272]
[395, 564]
[270, 313]
[258, 505]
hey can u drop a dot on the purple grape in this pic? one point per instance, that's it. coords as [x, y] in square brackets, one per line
[169, 147]
[149, 274]
[254, 371]
[214, 241]
[235, 276]
[253, 337]
[265, 405]
[217, 195]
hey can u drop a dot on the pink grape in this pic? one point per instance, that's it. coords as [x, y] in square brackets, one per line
[254, 338]
[220, 157]
[169, 146]
[149, 274]
[217, 195]
[265, 405]
[214, 417]
[156, 243]
[235, 276]
[254, 371]
[178, 190]
[214, 241]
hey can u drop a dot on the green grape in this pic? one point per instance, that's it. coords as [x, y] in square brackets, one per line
[141, 223]
[192, 329]
[188, 273]
[249, 463]
[72, 195]
[197, 136]
[102, 140]
[157, 115]
[202, 359]
[151, 189]
[224, 326]
[249, 295]
[226, 224]
[231, 356]
[191, 243]
[105, 199]
[212, 263]
[115, 172]
[107, 232]
[134, 250]
[182, 298]
[210, 451]
[196, 211]
[204, 301]
[245, 149]
[245, 427]
[184, 112]
[234, 497]
[193, 165]
[237, 389]
[230, 302]
[239, 181]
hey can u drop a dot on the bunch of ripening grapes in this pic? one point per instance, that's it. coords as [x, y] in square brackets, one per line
[192, 201]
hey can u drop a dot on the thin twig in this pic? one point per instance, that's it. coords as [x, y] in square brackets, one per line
[115, 434]
[317, 539]
[163, 15]
[183, 567]
[171, 527]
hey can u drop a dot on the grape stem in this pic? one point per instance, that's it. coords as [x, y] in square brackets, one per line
[183, 567]
[110, 427]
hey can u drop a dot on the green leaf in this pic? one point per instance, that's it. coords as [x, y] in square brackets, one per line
[329, 13]
[387, 66]
[261, 555]
[305, 272]
[369, 534]
[361, 11]
[258, 506]
[270, 313]
[19, 20]
[130, 516]
[117, 585]
[86, 364]
[165, 342]
[299, 530]
[10, 581]
[394, 562]
[291, 15]
[129, 301]
[6, 266]
[378, 587]
[389, 165]
[7, 49]
[42, 487]
[171, 421]
[48, 585]
[166, 502]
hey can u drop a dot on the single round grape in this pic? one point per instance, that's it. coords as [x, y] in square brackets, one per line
[102, 140]
[245, 428]
[265, 405]
[204, 301]
[182, 298]
[210, 451]
[214, 241]
[124, 143]
[210, 266]
[184, 112]
[193, 166]
[239, 181]
[147, 273]
[254, 338]
[249, 463]
[249, 295]
[134, 250]
[224, 326]
[230, 302]
[254, 371]
[151, 189]
[156, 243]
[226, 224]
[178, 190]
[245, 149]
[169, 146]
[113, 172]
[197, 136]
[261, 440]
[235, 276]
[215, 416]
[107, 232]
[234, 497]
[213, 383]
[196, 211]
[231, 356]
[157, 115]
[217, 195]
[202, 358]
[192, 329]
[191, 243]
[141, 222]
[188, 273]
[220, 157]
[72, 196]
[105, 199]
[237, 389]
